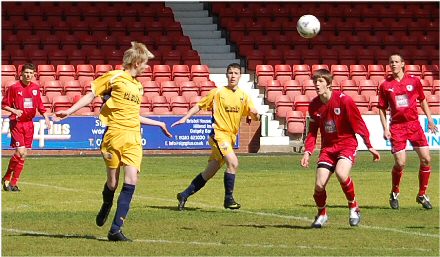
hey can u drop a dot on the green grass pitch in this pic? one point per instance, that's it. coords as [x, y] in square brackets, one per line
[54, 214]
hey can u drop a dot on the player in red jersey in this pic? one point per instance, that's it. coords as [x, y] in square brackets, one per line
[337, 118]
[400, 93]
[22, 99]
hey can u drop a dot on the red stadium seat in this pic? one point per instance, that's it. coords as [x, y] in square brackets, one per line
[188, 89]
[151, 88]
[101, 69]
[358, 72]
[179, 105]
[160, 105]
[72, 88]
[161, 73]
[273, 90]
[65, 70]
[283, 104]
[376, 72]
[283, 72]
[301, 103]
[169, 89]
[61, 102]
[52, 88]
[292, 88]
[413, 70]
[264, 73]
[316, 67]
[85, 70]
[301, 72]
[199, 73]
[180, 72]
[206, 86]
[349, 87]
[362, 103]
[296, 124]
[9, 70]
[430, 73]
[367, 88]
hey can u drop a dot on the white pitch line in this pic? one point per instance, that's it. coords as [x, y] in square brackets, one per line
[251, 212]
[215, 244]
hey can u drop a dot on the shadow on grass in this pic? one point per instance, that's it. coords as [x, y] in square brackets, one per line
[345, 206]
[271, 226]
[174, 208]
[61, 236]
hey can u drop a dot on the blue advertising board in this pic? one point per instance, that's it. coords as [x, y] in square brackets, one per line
[86, 133]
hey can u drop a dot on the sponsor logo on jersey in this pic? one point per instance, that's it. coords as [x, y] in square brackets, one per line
[337, 111]
[410, 88]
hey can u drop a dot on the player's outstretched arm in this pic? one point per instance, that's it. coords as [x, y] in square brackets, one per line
[375, 153]
[162, 125]
[305, 160]
[85, 100]
[195, 109]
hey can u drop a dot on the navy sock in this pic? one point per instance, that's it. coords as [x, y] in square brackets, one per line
[107, 195]
[229, 181]
[123, 207]
[197, 183]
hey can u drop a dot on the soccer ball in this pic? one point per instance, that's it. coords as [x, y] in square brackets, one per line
[308, 26]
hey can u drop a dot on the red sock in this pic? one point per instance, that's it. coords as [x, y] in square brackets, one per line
[348, 189]
[396, 175]
[320, 200]
[424, 173]
[17, 172]
[15, 159]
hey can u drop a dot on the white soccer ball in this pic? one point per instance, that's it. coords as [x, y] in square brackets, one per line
[308, 26]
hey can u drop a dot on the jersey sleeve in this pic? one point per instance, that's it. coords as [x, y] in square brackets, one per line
[40, 106]
[356, 121]
[248, 106]
[312, 133]
[206, 102]
[102, 85]
[419, 88]
[7, 100]
[383, 102]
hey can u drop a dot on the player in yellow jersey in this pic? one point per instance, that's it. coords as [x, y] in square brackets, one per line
[229, 104]
[121, 145]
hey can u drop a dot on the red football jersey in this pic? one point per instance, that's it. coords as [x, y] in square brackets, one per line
[337, 121]
[25, 98]
[401, 98]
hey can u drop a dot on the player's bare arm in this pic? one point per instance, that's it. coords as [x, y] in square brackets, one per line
[85, 100]
[195, 109]
[162, 125]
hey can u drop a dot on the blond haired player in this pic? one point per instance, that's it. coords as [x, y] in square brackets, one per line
[229, 104]
[121, 145]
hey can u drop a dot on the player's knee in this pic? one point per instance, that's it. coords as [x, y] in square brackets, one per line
[425, 161]
[21, 153]
[319, 187]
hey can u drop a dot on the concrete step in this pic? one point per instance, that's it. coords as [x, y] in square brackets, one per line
[199, 21]
[218, 56]
[190, 13]
[185, 6]
[275, 149]
[208, 41]
[274, 141]
[209, 49]
[214, 63]
[196, 27]
[203, 34]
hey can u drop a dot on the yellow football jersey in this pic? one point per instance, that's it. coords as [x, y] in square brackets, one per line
[121, 110]
[228, 107]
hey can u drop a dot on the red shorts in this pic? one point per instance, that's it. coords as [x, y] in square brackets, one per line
[329, 156]
[411, 131]
[22, 133]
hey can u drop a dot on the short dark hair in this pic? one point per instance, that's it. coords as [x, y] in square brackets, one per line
[323, 73]
[28, 66]
[233, 65]
[397, 54]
